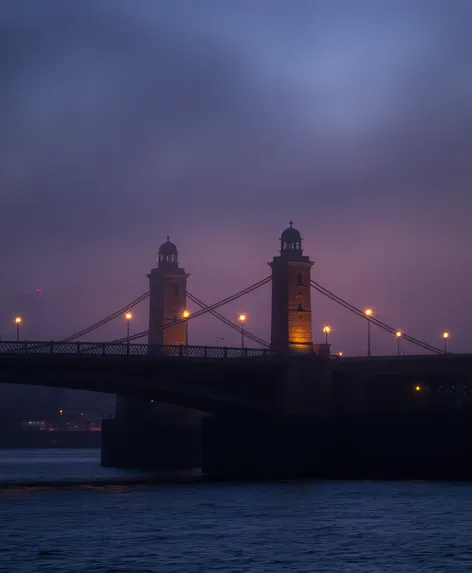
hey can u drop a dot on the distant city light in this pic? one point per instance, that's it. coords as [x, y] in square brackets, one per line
[417, 388]
[339, 353]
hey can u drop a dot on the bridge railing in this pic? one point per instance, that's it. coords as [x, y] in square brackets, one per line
[126, 349]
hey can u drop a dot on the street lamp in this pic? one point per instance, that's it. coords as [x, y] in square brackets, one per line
[18, 322]
[242, 319]
[339, 353]
[128, 317]
[326, 330]
[398, 334]
[445, 337]
[186, 316]
[368, 314]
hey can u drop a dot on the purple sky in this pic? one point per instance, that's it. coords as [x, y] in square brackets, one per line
[216, 122]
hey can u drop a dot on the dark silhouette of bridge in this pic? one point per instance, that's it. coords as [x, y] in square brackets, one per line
[216, 380]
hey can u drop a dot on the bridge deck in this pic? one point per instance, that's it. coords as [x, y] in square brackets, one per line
[120, 349]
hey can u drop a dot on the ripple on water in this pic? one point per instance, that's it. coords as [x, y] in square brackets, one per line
[327, 527]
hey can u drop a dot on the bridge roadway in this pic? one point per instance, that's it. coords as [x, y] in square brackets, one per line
[217, 380]
[222, 381]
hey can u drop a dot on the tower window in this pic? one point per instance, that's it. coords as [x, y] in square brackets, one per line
[299, 279]
[175, 290]
[299, 303]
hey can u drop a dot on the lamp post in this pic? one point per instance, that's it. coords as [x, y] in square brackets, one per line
[128, 317]
[368, 313]
[242, 320]
[398, 334]
[18, 322]
[326, 330]
[445, 337]
[186, 316]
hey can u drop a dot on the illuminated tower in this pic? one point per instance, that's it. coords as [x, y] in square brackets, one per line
[291, 296]
[168, 298]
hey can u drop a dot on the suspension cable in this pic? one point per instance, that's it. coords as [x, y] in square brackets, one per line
[221, 303]
[228, 322]
[374, 320]
[107, 319]
[201, 312]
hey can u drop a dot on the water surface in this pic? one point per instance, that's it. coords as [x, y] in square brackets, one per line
[324, 527]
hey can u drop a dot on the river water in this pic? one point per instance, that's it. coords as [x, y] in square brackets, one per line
[300, 526]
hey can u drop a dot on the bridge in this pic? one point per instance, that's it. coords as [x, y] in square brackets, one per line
[166, 383]
[219, 380]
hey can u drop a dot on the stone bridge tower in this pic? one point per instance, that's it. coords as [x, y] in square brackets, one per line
[167, 304]
[147, 433]
[291, 328]
[168, 298]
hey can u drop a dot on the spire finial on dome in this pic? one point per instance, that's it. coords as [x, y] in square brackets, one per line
[290, 223]
[168, 238]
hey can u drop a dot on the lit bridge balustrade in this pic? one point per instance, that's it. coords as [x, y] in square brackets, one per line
[125, 349]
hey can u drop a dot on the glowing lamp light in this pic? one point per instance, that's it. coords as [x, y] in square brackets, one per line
[340, 353]
[399, 333]
[128, 315]
[242, 318]
[368, 312]
[326, 329]
[418, 388]
[18, 320]
[445, 335]
[186, 314]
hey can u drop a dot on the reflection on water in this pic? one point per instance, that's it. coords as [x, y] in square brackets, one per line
[327, 527]
[74, 467]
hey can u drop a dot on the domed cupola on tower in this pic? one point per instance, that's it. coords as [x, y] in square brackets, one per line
[291, 243]
[168, 255]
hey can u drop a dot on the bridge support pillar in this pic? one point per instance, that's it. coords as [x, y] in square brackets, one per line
[150, 446]
[148, 435]
[260, 449]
